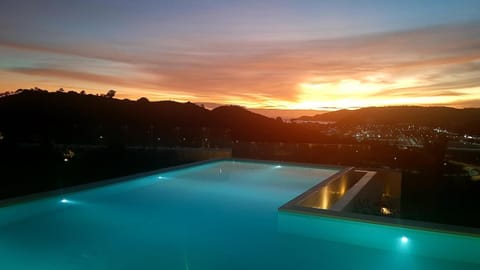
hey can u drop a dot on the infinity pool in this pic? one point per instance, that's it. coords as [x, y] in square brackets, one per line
[216, 215]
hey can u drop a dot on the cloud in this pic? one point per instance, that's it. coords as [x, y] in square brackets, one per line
[440, 60]
[75, 75]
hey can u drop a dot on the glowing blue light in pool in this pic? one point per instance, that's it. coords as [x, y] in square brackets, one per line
[404, 240]
[69, 202]
[162, 178]
[64, 201]
[278, 167]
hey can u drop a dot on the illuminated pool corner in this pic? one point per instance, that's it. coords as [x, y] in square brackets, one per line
[325, 212]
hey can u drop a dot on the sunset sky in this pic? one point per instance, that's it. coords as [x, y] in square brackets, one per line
[259, 54]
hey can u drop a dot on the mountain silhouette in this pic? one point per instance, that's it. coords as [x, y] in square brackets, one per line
[455, 119]
[38, 115]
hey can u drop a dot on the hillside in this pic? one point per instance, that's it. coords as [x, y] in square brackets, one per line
[445, 117]
[41, 116]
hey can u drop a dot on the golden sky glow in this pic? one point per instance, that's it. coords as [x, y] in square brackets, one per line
[249, 53]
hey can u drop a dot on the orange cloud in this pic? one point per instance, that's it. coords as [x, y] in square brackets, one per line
[433, 65]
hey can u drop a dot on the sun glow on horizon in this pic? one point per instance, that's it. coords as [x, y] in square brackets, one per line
[367, 92]
[293, 55]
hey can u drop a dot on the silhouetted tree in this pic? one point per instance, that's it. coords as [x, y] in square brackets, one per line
[110, 94]
[143, 100]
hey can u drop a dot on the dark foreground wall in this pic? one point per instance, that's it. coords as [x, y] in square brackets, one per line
[27, 169]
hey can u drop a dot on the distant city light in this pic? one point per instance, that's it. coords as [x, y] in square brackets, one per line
[385, 211]
[67, 155]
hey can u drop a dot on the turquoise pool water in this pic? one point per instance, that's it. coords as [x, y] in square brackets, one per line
[219, 215]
